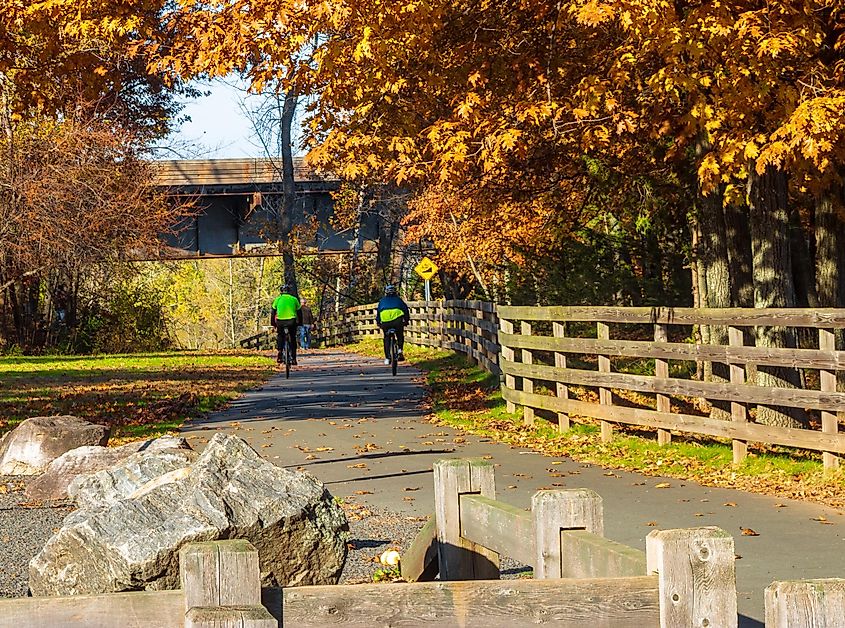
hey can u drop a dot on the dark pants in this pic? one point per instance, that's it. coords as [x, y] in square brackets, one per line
[286, 327]
[399, 326]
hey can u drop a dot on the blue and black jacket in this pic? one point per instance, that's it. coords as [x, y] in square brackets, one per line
[391, 309]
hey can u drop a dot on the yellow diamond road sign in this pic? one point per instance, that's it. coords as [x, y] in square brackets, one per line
[426, 268]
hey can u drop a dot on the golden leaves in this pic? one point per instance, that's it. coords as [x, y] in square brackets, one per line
[594, 13]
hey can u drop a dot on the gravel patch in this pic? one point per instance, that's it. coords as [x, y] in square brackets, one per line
[372, 531]
[24, 528]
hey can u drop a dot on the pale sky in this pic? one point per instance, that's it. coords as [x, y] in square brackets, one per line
[218, 128]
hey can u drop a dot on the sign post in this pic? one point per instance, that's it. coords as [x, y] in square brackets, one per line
[426, 269]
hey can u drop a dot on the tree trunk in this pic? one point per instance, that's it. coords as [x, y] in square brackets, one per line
[738, 237]
[713, 260]
[288, 190]
[259, 285]
[773, 284]
[830, 257]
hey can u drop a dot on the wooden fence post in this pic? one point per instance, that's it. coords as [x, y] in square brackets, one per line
[661, 370]
[605, 396]
[739, 412]
[830, 420]
[562, 390]
[527, 382]
[508, 354]
[806, 603]
[460, 559]
[554, 511]
[222, 586]
[696, 576]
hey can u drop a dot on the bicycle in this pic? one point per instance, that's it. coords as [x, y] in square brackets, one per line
[393, 343]
[285, 353]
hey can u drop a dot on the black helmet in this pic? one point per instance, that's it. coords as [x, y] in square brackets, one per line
[285, 288]
[390, 290]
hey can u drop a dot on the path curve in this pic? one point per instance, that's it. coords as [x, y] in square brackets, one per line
[346, 420]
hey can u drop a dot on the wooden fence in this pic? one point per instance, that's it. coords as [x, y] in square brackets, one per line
[634, 366]
[548, 351]
[469, 327]
[684, 578]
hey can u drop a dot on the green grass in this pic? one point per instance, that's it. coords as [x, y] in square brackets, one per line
[137, 395]
[466, 397]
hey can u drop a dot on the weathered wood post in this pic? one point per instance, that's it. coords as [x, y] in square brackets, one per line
[605, 396]
[527, 382]
[561, 389]
[661, 370]
[507, 355]
[739, 412]
[806, 603]
[554, 511]
[827, 377]
[460, 559]
[222, 586]
[696, 576]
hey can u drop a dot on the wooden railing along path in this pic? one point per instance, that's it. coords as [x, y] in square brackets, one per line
[538, 345]
[564, 362]
[684, 578]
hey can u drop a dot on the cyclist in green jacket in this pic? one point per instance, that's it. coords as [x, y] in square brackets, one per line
[392, 313]
[285, 317]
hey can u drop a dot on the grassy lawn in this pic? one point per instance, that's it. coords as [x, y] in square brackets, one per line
[466, 397]
[138, 395]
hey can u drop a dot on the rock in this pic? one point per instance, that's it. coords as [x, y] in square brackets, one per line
[127, 531]
[97, 490]
[36, 442]
[56, 479]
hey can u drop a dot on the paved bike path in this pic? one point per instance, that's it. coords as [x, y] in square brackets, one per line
[361, 431]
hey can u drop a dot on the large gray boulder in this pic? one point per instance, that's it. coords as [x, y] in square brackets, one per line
[54, 482]
[126, 534]
[99, 490]
[36, 442]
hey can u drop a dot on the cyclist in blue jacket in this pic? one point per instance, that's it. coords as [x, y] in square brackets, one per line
[392, 314]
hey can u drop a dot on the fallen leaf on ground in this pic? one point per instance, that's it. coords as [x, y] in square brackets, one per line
[308, 457]
[662, 485]
[360, 465]
[651, 524]
[730, 504]
[412, 488]
[362, 492]
[748, 532]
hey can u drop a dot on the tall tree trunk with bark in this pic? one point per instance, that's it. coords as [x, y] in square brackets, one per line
[285, 218]
[714, 263]
[738, 238]
[773, 282]
[830, 256]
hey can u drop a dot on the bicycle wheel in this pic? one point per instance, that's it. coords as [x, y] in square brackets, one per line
[287, 355]
[394, 353]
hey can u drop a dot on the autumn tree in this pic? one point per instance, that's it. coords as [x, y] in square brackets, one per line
[72, 193]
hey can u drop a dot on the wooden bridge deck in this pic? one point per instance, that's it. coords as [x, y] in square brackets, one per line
[210, 172]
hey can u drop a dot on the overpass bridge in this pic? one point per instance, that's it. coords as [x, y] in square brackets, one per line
[234, 197]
